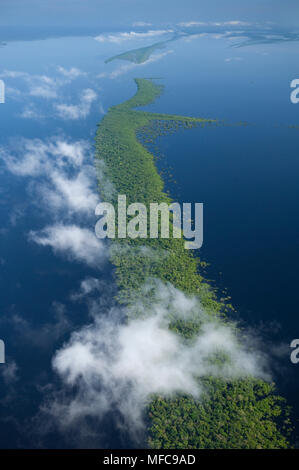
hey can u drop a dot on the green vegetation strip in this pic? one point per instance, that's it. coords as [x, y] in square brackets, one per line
[138, 56]
[142, 54]
[245, 413]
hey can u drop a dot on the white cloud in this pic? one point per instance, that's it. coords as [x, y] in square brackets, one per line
[65, 188]
[43, 92]
[66, 184]
[33, 157]
[41, 86]
[88, 286]
[69, 153]
[73, 194]
[46, 334]
[75, 243]
[189, 24]
[237, 23]
[141, 23]
[230, 23]
[13, 92]
[71, 73]
[13, 74]
[30, 112]
[130, 66]
[9, 372]
[79, 111]
[17, 213]
[232, 59]
[51, 88]
[132, 35]
[222, 35]
[118, 366]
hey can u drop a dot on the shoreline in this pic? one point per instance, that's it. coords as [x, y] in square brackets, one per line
[222, 419]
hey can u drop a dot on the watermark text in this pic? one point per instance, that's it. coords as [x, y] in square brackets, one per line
[295, 93]
[159, 220]
[2, 352]
[2, 92]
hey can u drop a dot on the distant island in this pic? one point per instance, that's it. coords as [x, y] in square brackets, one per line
[138, 56]
[142, 54]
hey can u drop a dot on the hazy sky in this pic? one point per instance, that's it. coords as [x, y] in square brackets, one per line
[124, 12]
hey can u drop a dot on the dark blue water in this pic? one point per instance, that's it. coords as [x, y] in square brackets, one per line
[247, 178]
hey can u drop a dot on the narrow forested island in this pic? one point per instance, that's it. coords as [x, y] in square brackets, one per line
[232, 413]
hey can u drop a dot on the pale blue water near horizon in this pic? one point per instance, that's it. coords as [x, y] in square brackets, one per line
[246, 176]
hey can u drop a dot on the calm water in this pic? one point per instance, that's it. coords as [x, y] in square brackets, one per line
[246, 176]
